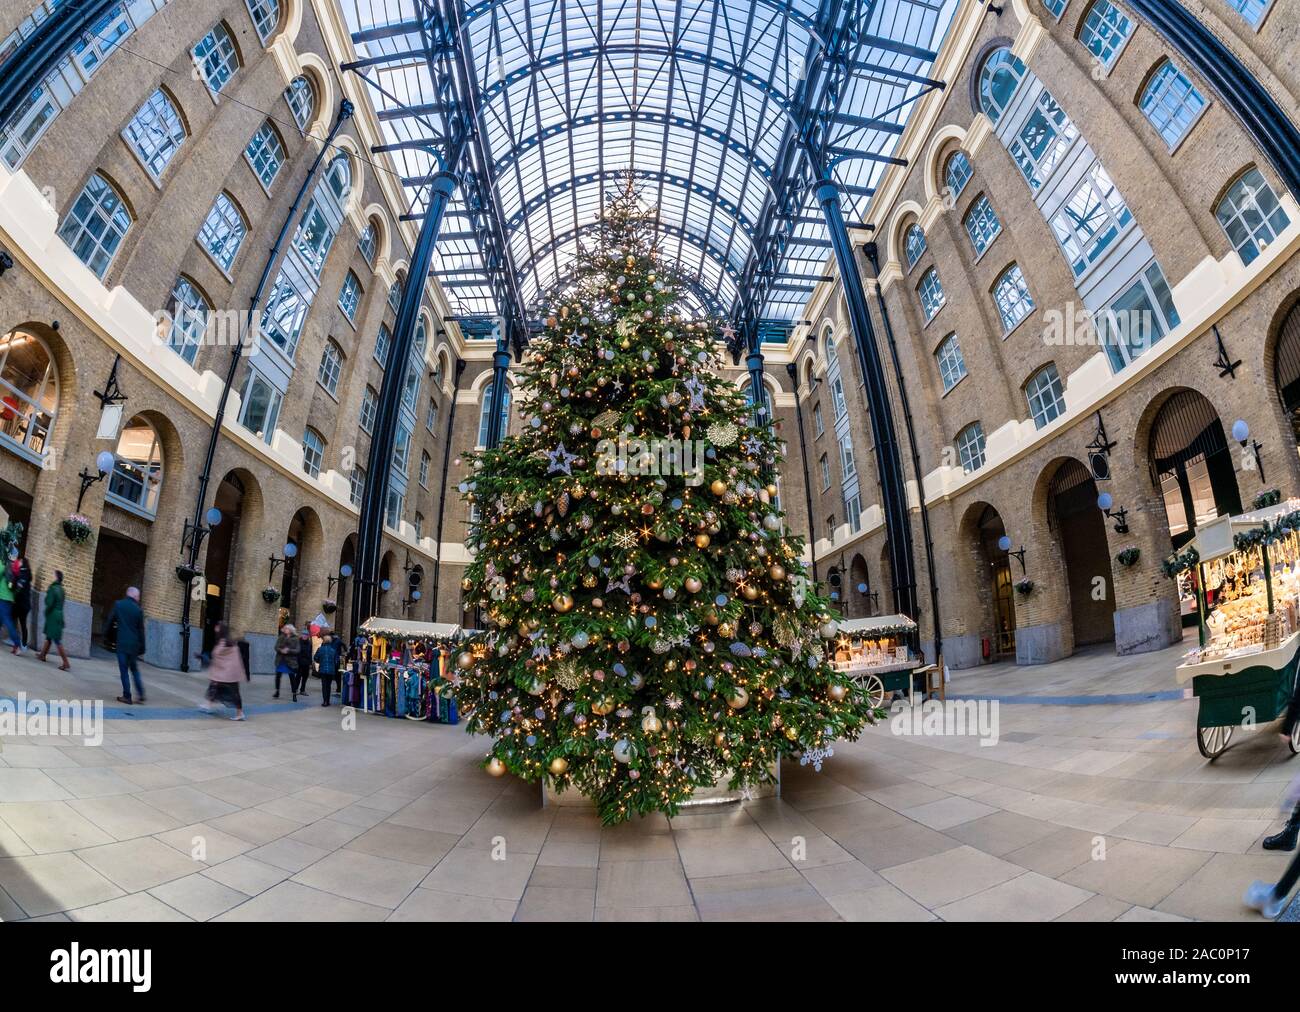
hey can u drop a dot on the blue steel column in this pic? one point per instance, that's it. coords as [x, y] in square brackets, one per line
[1269, 126]
[500, 363]
[889, 465]
[374, 497]
[36, 55]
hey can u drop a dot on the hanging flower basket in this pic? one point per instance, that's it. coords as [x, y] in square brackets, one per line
[1128, 556]
[270, 595]
[76, 528]
[329, 607]
[1024, 587]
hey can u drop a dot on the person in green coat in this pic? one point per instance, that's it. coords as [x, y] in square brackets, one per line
[54, 620]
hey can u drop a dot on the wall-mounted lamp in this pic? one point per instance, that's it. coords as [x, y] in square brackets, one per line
[333, 581]
[290, 551]
[196, 533]
[6, 262]
[1105, 504]
[1004, 544]
[1241, 433]
[104, 464]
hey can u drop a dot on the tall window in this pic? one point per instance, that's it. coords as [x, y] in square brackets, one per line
[1091, 219]
[1172, 103]
[1105, 30]
[29, 391]
[931, 292]
[314, 237]
[286, 310]
[265, 15]
[1251, 10]
[302, 101]
[952, 367]
[223, 232]
[847, 467]
[216, 58]
[313, 452]
[982, 224]
[393, 509]
[381, 345]
[96, 225]
[1011, 294]
[1251, 215]
[189, 319]
[331, 364]
[1043, 141]
[970, 447]
[914, 244]
[999, 78]
[411, 383]
[1055, 7]
[369, 409]
[431, 416]
[366, 244]
[402, 448]
[1045, 395]
[425, 460]
[826, 472]
[957, 173]
[137, 468]
[395, 294]
[259, 407]
[338, 174]
[155, 132]
[1140, 317]
[819, 424]
[350, 296]
[485, 413]
[418, 524]
[265, 154]
[356, 485]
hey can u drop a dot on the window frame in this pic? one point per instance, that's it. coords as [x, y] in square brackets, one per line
[1266, 220]
[965, 441]
[1026, 298]
[242, 223]
[313, 452]
[1104, 31]
[73, 229]
[335, 370]
[950, 364]
[925, 294]
[272, 144]
[141, 133]
[989, 224]
[1057, 407]
[226, 57]
[1166, 77]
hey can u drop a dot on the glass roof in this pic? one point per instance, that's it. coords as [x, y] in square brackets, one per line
[702, 101]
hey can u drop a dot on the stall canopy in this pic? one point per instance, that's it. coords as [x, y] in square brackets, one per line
[408, 629]
[877, 625]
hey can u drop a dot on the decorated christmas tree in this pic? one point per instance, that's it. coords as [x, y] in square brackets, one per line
[648, 624]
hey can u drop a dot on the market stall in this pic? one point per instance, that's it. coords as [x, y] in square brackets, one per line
[874, 652]
[1245, 573]
[404, 668]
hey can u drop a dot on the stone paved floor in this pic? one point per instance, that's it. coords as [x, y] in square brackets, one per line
[289, 816]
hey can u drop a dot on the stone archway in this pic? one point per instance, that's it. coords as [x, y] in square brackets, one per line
[994, 610]
[302, 585]
[1077, 527]
[231, 542]
[860, 587]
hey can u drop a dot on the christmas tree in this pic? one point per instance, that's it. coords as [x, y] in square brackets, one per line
[649, 626]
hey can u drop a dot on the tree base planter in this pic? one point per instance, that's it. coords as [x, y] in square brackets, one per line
[718, 794]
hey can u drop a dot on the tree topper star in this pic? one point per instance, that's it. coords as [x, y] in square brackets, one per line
[560, 460]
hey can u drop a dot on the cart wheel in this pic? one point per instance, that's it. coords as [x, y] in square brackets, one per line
[875, 690]
[1213, 740]
[1295, 739]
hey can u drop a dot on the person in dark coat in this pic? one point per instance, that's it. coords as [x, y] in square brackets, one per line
[128, 619]
[286, 659]
[305, 652]
[23, 598]
[327, 660]
[54, 620]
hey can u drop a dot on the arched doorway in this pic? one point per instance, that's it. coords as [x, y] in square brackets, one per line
[860, 587]
[982, 530]
[305, 535]
[1286, 367]
[386, 600]
[1079, 526]
[1191, 464]
[239, 499]
[347, 557]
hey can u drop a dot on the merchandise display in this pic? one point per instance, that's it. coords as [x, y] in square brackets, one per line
[406, 669]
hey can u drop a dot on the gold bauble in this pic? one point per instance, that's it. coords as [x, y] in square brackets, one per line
[719, 739]
[559, 766]
[776, 572]
[562, 603]
[719, 487]
[771, 490]
[749, 592]
[711, 617]
[726, 630]
[693, 584]
[467, 584]
[791, 733]
[602, 706]
[838, 693]
[495, 767]
[701, 541]
[465, 660]
[654, 584]
[739, 699]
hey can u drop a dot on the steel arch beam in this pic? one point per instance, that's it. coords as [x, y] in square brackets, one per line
[780, 6]
[38, 54]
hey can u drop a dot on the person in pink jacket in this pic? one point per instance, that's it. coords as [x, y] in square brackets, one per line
[225, 672]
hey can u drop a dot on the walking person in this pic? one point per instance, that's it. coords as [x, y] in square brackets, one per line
[54, 620]
[225, 672]
[286, 659]
[1271, 900]
[7, 609]
[128, 620]
[305, 658]
[1290, 835]
[23, 598]
[327, 660]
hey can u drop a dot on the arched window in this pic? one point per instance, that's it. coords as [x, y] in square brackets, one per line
[970, 447]
[356, 485]
[339, 176]
[952, 367]
[29, 391]
[411, 381]
[137, 472]
[313, 452]
[485, 413]
[1251, 10]
[421, 343]
[931, 293]
[1171, 102]
[265, 15]
[768, 416]
[223, 232]
[369, 409]
[395, 295]
[368, 241]
[1055, 7]
[96, 225]
[957, 173]
[189, 319]
[382, 343]
[913, 244]
[155, 133]
[1104, 31]
[301, 97]
[999, 78]
[331, 364]
[1045, 395]
[216, 57]
[1251, 215]
[834, 377]
[982, 224]
[350, 296]
[440, 370]
[265, 154]
[828, 343]
[1011, 295]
